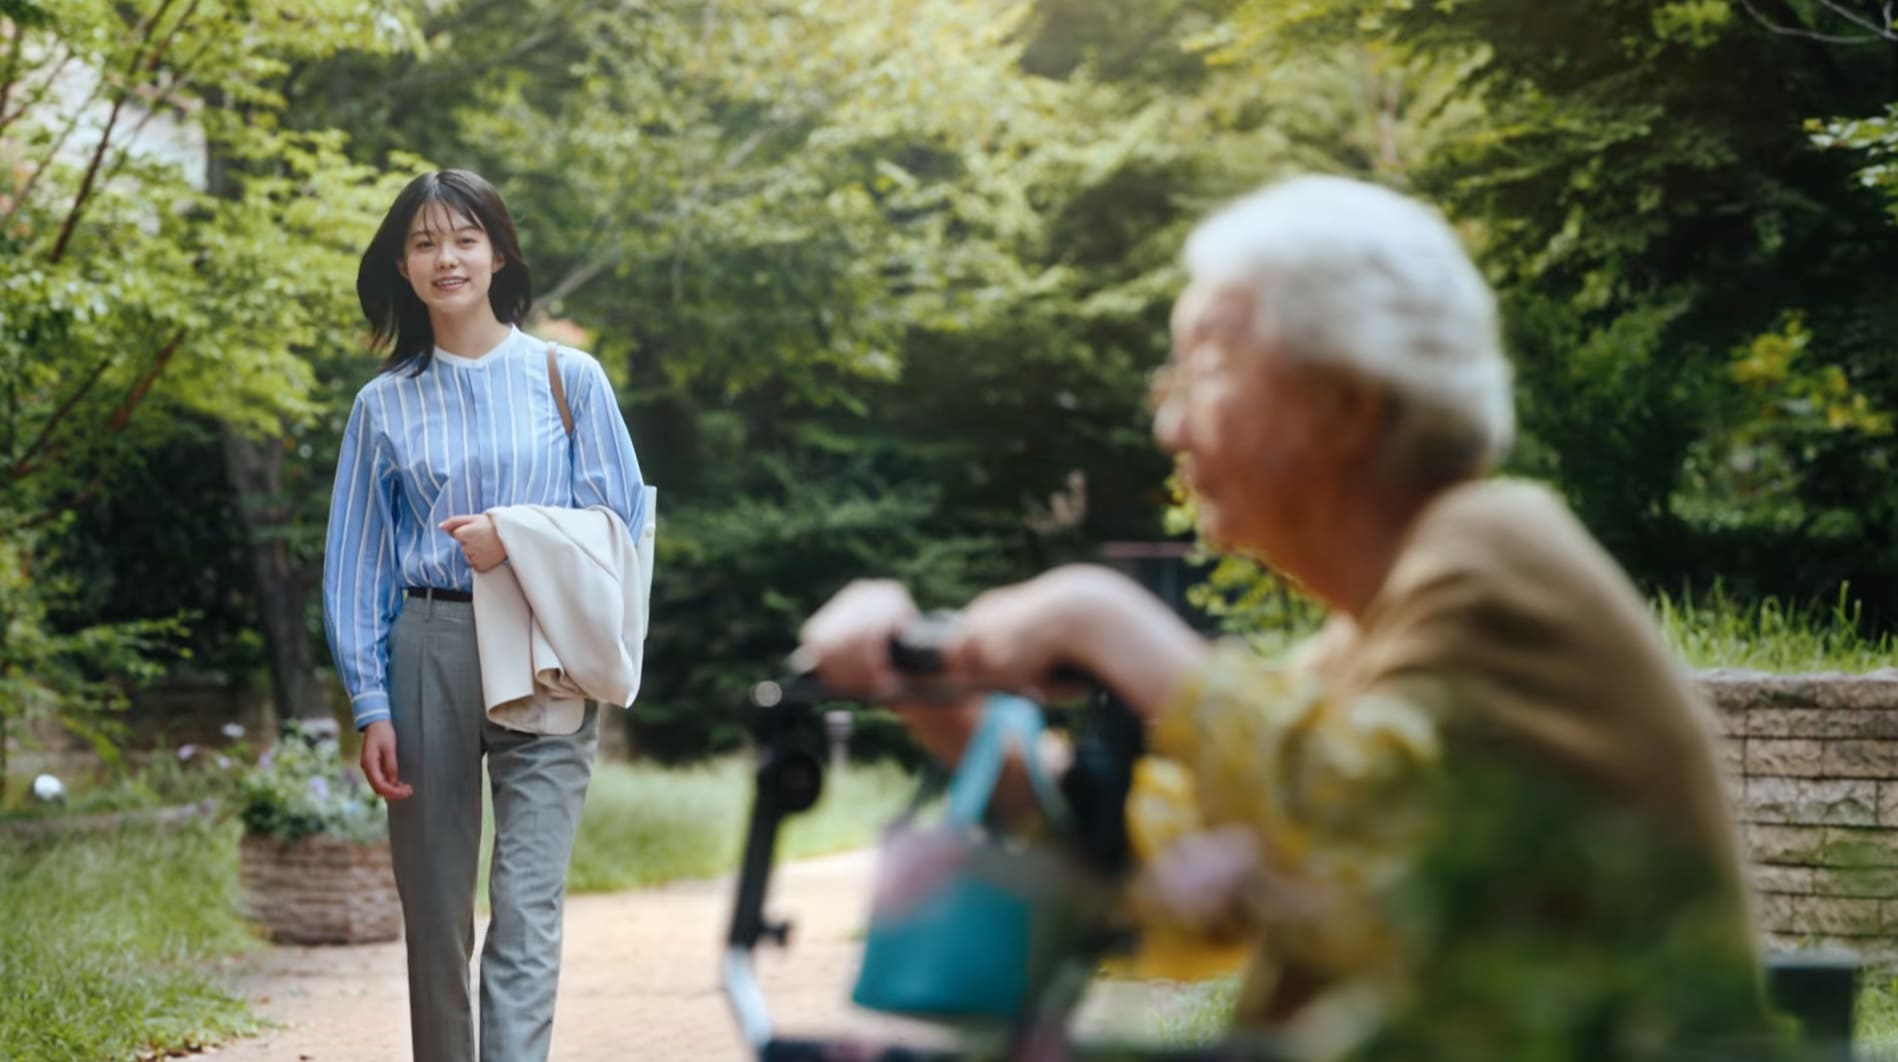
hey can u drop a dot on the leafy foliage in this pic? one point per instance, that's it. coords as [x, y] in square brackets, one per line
[111, 113]
[44, 671]
[1692, 289]
[877, 282]
[301, 786]
[1876, 137]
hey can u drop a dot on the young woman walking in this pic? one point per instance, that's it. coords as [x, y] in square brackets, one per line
[467, 414]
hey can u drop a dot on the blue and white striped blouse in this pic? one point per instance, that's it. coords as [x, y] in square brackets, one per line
[465, 436]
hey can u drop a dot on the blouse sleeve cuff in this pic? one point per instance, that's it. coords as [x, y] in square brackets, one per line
[370, 706]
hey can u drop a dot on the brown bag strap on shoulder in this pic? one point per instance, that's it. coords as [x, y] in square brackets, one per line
[560, 390]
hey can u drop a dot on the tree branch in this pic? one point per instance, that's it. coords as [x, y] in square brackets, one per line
[52, 154]
[120, 418]
[71, 223]
[164, 46]
[180, 75]
[1799, 29]
[576, 278]
[25, 465]
[150, 26]
[139, 59]
[38, 94]
[123, 415]
[71, 502]
[33, 178]
[13, 64]
[1882, 32]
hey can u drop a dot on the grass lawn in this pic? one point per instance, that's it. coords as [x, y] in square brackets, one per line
[1716, 631]
[107, 939]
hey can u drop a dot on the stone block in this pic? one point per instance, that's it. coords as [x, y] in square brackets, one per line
[1860, 848]
[1770, 800]
[1795, 881]
[1811, 801]
[1785, 757]
[1733, 690]
[1822, 723]
[1835, 915]
[1778, 915]
[1861, 758]
[1805, 845]
[1865, 882]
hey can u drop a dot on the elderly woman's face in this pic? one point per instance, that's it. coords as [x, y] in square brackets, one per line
[1243, 418]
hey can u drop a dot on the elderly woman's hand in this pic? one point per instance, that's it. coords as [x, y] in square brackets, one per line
[1085, 617]
[1199, 882]
[1016, 637]
[847, 642]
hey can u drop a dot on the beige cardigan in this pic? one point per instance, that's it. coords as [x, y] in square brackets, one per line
[563, 622]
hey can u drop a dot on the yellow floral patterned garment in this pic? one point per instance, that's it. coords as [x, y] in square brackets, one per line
[1338, 792]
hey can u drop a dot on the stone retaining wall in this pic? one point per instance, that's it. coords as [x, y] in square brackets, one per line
[1812, 764]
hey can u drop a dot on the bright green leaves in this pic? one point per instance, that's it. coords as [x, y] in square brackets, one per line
[1877, 138]
[1695, 22]
[1798, 393]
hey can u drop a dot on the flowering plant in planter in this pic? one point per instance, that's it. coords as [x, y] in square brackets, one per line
[301, 787]
[315, 858]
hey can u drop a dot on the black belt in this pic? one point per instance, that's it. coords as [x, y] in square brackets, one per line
[432, 594]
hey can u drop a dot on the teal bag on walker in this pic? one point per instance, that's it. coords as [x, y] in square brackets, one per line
[965, 925]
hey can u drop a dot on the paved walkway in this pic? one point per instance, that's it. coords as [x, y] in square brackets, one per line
[639, 979]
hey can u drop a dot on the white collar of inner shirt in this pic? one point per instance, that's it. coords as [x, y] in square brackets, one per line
[460, 362]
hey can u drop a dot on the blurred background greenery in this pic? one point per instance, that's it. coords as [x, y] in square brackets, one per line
[879, 281]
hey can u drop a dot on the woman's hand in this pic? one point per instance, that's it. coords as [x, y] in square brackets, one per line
[1201, 880]
[1016, 637]
[1085, 617]
[378, 761]
[847, 642]
[480, 542]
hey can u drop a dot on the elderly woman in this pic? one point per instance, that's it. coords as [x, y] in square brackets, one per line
[1478, 815]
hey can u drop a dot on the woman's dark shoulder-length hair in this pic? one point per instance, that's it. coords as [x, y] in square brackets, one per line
[398, 321]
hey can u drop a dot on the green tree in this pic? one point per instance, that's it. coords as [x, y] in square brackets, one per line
[1651, 232]
[872, 290]
[130, 296]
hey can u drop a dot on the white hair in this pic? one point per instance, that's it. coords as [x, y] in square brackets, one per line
[1358, 277]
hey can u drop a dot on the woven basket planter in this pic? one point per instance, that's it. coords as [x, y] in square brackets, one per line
[320, 890]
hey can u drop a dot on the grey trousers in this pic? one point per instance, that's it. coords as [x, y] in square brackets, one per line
[539, 784]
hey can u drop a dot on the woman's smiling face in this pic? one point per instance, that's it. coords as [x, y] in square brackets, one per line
[448, 260]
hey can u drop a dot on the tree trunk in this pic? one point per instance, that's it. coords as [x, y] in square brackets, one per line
[255, 467]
